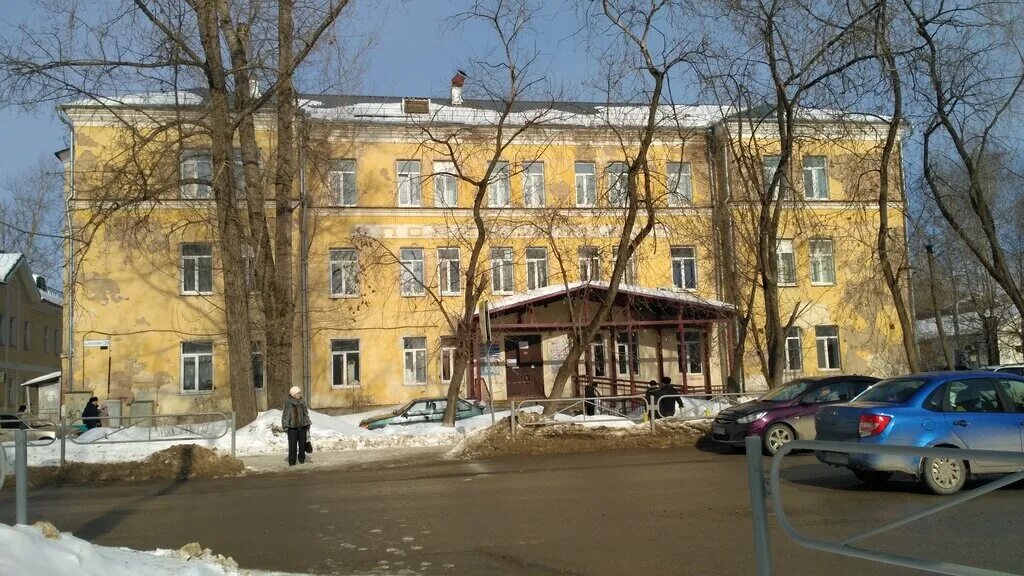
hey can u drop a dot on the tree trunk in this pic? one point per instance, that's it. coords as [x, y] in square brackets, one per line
[943, 342]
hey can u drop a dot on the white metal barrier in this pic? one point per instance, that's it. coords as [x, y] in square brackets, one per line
[698, 406]
[582, 410]
[154, 428]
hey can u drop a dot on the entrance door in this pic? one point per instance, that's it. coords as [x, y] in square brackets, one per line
[524, 366]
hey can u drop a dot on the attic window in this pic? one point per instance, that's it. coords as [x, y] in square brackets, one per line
[416, 105]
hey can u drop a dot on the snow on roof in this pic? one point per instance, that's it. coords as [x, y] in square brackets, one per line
[179, 98]
[8, 261]
[44, 379]
[966, 323]
[678, 296]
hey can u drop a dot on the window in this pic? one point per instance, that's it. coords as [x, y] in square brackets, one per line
[586, 185]
[12, 332]
[786, 262]
[447, 359]
[46, 339]
[590, 264]
[412, 271]
[627, 353]
[448, 271]
[618, 184]
[694, 351]
[975, 395]
[680, 184]
[196, 175]
[409, 185]
[344, 272]
[55, 333]
[196, 268]
[815, 178]
[196, 367]
[536, 267]
[3, 331]
[258, 379]
[415, 361]
[629, 274]
[827, 341]
[834, 392]
[823, 270]
[684, 267]
[344, 363]
[26, 337]
[342, 181]
[502, 277]
[794, 349]
[1014, 390]
[498, 188]
[445, 185]
[599, 363]
[770, 167]
[534, 193]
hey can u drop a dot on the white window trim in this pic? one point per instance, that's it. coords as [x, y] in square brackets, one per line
[415, 178]
[591, 262]
[576, 181]
[682, 260]
[417, 288]
[339, 197]
[441, 274]
[699, 343]
[613, 180]
[451, 362]
[527, 176]
[826, 339]
[194, 187]
[778, 268]
[833, 259]
[800, 345]
[426, 374]
[824, 173]
[181, 366]
[631, 269]
[501, 176]
[676, 200]
[181, 270]
[445, 169]
[512, 272]
[330, 273]
[532, 263]
[330, 366]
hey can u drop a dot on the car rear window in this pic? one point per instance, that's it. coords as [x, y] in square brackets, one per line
[891, 391]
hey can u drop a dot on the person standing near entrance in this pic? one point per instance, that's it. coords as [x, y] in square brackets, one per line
[590, 393]
[91, 414]
[295, 422]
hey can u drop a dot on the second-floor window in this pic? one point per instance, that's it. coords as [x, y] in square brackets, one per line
[770, 167]
[680, 186]
[684, 267]
[196, 268]
[26, 340]
[344, 272]
[536, 267]
[590, 264]
[823, 269]
[448, 271]
[502, 276]
[341, 179]
[629, 274]
[786, 262]
[815, 178]
[445, 185]
[196, 175]
[499, 189]
[411, 261]
[618, 182]
[534, 194]
[410, 191]
[586, 185]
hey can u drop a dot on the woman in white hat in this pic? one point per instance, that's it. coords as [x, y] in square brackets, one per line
[295, 422]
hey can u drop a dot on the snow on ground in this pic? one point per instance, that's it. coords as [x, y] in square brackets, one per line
[27, 551]
[329, 433]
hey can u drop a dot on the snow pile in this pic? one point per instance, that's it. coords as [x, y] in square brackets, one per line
[41, 550]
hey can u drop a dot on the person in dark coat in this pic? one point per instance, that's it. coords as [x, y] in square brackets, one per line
[91, 414]
[590, 391]
[651, 394]
[667, 406]
[295, 422]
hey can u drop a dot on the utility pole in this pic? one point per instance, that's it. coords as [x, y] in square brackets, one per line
[946, 353]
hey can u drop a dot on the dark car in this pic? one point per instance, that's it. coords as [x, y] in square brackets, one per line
[977, 410]
[420, 411]
[787, 412]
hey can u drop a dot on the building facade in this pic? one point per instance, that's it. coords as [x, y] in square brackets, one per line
[387, 234]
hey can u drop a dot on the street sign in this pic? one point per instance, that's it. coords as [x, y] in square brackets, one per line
[485, 320]
[96, 343]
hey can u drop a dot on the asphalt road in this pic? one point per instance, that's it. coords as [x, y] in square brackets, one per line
[679, 511]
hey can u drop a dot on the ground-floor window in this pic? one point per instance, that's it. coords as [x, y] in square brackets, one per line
[694, 351]
[196, 367]
[415, 360]
[627, 353]
[827, 340]
[598, 360]
[794, 349]
[344, 363]
[447, 359]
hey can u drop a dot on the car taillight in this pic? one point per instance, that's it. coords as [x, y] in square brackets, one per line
[873, 424]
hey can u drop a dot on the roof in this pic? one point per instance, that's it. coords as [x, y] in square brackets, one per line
[8, 262]
[51, 378]
[558, 291]
[966, 323]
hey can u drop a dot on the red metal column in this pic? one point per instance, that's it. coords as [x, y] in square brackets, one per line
[683, 365]
[705, 348]
[661, 356]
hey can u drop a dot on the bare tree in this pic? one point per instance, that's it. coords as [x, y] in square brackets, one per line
[30, 218]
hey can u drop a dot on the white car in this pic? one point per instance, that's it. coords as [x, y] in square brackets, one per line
[1017, 369]
[37, 429]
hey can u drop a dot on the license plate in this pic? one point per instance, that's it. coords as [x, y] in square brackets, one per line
[835, 458]
[718, 430]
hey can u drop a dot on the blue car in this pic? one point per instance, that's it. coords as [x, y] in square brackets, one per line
[966, 410]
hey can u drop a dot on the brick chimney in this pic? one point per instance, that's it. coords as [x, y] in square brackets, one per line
[457, 81]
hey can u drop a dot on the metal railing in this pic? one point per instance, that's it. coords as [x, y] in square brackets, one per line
[46, 429]
[698, 406]
[759, 509]
[605, 408]
[154, 428]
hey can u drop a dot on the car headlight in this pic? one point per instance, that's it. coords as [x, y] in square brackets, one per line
[751, 417]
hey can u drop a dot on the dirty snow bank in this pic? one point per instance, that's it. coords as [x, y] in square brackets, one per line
[41, 550]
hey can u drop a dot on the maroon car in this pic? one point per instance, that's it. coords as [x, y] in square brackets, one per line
[787, 412]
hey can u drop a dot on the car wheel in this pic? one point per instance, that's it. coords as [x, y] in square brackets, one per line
[944, 476]
[776, 436]
[872, 477]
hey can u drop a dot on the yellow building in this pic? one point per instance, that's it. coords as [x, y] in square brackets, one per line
[389, 233]
[30, 331]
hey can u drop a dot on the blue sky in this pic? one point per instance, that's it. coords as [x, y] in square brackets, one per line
[415, 53]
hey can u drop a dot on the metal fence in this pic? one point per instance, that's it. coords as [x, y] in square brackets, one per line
[697, 406]
[762, 549]
[581, 410]
[152, 428]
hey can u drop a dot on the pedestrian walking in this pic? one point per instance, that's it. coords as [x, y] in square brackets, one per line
[91, 414]
[590, 392]
[295, 422]
[668, 398]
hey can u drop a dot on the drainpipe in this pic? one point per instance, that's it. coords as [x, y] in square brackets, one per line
[304, 263]
[69, 278]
